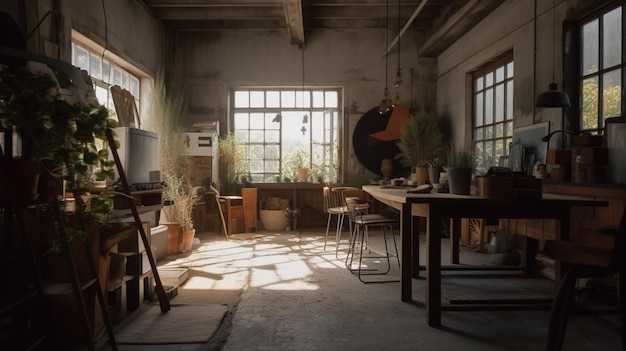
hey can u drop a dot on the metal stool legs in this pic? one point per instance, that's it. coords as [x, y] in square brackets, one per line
[358, 237]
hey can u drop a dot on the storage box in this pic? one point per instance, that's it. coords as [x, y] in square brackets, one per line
[559, 157]
[137, 264]
[590, 156]
[158, 242]
[509, 187]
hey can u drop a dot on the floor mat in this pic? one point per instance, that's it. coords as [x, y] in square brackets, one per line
[245, 236]
[182, 324]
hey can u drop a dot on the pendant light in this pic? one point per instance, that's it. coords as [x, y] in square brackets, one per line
[553, 97]
[305, 118]
[385, 104]
[398, 81]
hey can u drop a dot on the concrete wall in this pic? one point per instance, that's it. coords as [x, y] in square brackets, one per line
[207, 65]
[510, 27]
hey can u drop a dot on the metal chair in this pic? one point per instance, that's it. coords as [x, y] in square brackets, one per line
[334, 206]
[594, 253]
[362, 221]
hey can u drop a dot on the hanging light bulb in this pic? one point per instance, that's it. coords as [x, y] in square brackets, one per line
[398, 81]
[386, 105]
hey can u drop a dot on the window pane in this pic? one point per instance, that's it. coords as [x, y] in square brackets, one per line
[489, 106]
[509, 100]
[611, 94]
[117, 77]
[318, 99]
[106, 72]
[242, 99]
[478, 102]
[489, 132]
[479, 83]
[273, 98]
[499, 103]
[257, 99]
[134, 86]
[288, 99]
[489, 79]
[241, 120]
[589, 103]
[82, 58]
[499, 130]
[612, 38]
[590, 47]
[499, 74]
[332, 99]
[509, 70]
[125, 80]
[95, 66]
[257, 120]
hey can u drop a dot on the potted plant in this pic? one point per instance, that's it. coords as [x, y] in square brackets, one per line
[232, 159]
[502, 247]
[164, 117]
[295, 165]
[460, 167]
[420, 143]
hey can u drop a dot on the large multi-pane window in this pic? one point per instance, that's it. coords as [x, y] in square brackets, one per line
[601, 68]
[493, 111]
[282, 129]
[105, 71]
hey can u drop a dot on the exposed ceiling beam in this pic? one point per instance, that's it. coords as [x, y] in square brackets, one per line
[406, 26]
[455, 27]
[295, 23]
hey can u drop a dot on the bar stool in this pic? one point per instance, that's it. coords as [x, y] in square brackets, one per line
[361, 222]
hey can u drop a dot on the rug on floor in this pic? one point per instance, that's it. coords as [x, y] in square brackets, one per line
[182, 324]
[245, 236]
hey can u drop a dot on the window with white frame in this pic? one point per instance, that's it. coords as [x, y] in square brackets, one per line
[493, 111]
[283, 129]
[105, 71]
[601, 68]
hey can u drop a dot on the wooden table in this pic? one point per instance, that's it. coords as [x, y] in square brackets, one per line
[437, 206]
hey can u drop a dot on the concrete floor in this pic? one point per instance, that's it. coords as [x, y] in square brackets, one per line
[285, 292]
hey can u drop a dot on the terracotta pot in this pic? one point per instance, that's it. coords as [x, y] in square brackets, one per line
[303, 172]
[386, 167]
[188, 240]
[421, 175]
[174, 238]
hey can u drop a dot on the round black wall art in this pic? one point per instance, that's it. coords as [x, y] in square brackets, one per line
[376, 136]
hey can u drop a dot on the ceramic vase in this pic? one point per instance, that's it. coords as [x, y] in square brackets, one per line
[386, 167]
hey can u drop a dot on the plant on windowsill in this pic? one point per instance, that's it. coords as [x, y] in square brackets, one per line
[295, 165]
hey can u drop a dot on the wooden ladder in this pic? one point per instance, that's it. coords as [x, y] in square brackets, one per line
[164, 301]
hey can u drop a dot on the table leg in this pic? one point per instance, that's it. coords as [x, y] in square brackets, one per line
[415, 234]
[433, 268]
[406, 256]
[455, 239]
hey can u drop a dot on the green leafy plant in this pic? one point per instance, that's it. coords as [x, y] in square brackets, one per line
[459, 158]
[232, 158]
[298, 158]
[421, 140]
